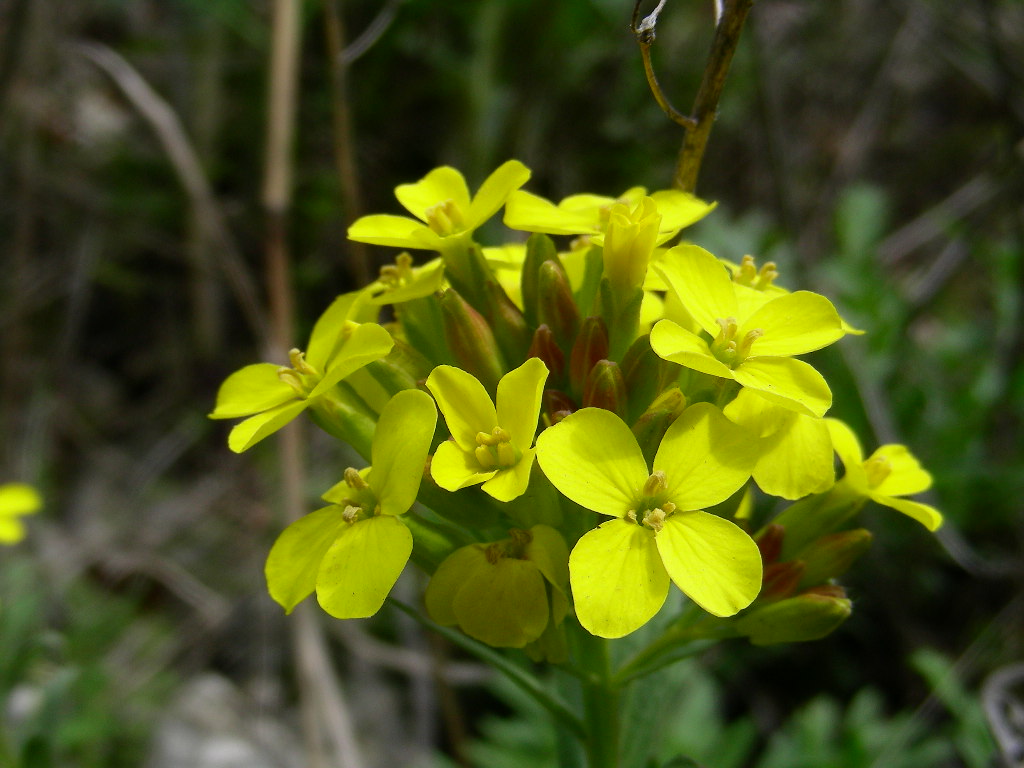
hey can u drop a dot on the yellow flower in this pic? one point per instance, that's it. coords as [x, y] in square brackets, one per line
[590, 214]
[16, 500]
[499, 592]
[352, 552]
[620, 571]
[886, 475]
[445, 213]
[272, 395]
[489, 445]
[749, 342]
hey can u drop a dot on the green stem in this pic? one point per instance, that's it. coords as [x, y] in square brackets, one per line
[527, 682]
[600, 701]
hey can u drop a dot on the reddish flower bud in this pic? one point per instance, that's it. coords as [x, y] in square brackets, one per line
[604, 388]
[780, 580]
[591, 345]
[556, 307]
[544, 347]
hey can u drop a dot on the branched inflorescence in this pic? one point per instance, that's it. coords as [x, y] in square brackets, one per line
[609, 405]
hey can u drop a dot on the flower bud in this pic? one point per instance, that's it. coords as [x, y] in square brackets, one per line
[544, 347]
[591, 345]
[645, 373]
[780, 580]
[808, 616]
[650, 428]
[769, 541]
[509, 325]
[539, 249]
[832, 555]
[815, 516]
[628, 244]
[470, 340]
[605, 388]
[556, 307]
[557, 405]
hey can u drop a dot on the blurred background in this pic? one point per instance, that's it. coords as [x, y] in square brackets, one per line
[871, 147]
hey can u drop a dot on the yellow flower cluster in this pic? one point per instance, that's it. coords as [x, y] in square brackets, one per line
[609, 404]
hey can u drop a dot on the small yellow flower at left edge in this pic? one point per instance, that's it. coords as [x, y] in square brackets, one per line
[272, 395]
[498, 592]
[445, 213]
[352, 552]
[489, 445]
[16, 500]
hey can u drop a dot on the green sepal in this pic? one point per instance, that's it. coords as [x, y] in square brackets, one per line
[593, 268]
[432, 541]
[510, 329]
[341, 413]
[471, 340]
[811, 518]
[469, 507]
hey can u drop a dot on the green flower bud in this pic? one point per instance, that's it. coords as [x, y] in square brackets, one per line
[471, 340]
[650, 428]
[831, 556]
[539, 249]
[509, 325]
[815, 516]
[808, 616]
[646, 375]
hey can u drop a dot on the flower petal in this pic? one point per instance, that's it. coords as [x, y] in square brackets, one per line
[617, 577]
[367, 342]
[294, 560]
[711, 560]
[519, 395]
[438, 186]
[362, 566]
[705, 457]
[328, 332]
[679, 209]
[466, 406]
[12, 530]
[397, 231]
[674, 343]
[529, 213]
[547, 549]
[453, 468]
[906, 477]
[505, 604]
[245, 435]
[793, 324]
[252, 389]
[797, 459]
[592, 457]
[925, 514]
[511, 483]
[455, 570]
[847, 447]
[495, 190]
[399, 453]
[786, 381]
[702, 284]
